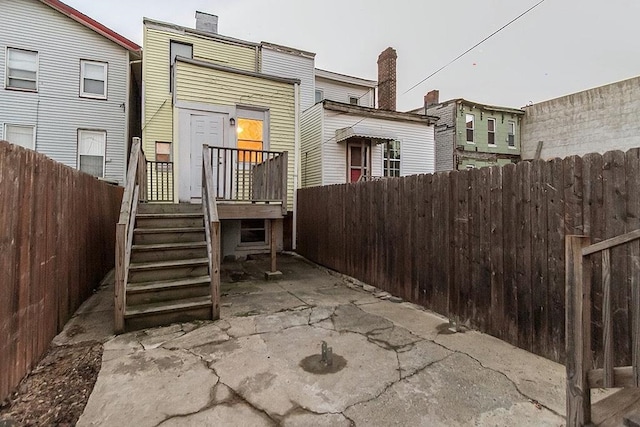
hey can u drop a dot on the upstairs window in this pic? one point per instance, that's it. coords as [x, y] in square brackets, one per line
[176, 49]
[319, 95]
[511, 136]
[93, 79]
[22, 69]
[470, 128]
[91, 151]
[391, 158]
[491, 131]
[21, 135]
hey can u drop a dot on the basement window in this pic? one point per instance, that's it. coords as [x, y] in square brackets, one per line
[253, 231]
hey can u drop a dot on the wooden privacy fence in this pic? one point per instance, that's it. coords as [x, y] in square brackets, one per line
[486, 246]
[57, 242]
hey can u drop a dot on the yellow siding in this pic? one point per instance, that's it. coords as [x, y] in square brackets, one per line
[204, 85]
[158, 117]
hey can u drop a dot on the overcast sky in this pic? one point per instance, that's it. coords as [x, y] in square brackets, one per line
[561, 47]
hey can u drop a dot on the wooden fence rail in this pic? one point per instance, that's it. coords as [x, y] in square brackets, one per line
[486, 246]
[57, 242]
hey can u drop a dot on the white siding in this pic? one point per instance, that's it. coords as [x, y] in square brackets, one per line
[294, 66]
[56, 109]
[340, 92]
[416, 146]
[311, 139]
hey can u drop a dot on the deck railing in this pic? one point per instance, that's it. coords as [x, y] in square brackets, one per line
[581, 377]
[212, 230]
[249, 175]
[159, 181]
[134, 191]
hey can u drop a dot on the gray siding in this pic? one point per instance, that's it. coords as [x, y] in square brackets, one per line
[56, 109]
[340, 92]
[290, 65]
[593, 121]
[444, 136]
[311, 143]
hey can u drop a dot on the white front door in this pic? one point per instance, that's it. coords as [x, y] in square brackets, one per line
[205, 128]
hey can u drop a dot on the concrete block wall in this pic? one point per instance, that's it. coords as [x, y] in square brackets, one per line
[595, 120]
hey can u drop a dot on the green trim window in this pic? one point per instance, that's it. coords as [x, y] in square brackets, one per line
[491, 131]
[470, 119]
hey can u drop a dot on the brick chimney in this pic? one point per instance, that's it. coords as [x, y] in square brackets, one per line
[432, 98]
[387, 79]
[206, 22]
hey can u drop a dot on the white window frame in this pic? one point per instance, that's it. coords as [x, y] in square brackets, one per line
[6, 70]
[83, 93]
[512, 126]
[492, 120]
[104, 154]
[472, 128]
[315, 95]
[387, 169]
[33, 130]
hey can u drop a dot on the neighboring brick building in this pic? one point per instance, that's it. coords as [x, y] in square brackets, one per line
[471, 135]
[592, 121]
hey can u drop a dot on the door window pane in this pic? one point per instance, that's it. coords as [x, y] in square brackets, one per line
[250, 137]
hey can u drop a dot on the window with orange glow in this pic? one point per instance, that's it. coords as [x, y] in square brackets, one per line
[250, 137]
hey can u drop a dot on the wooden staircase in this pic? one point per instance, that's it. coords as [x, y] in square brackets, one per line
[168, 274]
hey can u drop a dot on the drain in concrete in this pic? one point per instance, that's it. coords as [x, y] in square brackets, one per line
[324, 363]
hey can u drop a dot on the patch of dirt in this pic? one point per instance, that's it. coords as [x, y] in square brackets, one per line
[57, 390]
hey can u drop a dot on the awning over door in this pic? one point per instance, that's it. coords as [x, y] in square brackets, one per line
[378, 135]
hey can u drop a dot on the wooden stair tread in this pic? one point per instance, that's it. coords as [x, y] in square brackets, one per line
[169, 230]
[170, 215]
[167, 306]
[166, 246]
[167, 264]
[164, 284]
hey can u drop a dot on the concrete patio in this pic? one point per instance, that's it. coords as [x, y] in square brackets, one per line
[393, 363]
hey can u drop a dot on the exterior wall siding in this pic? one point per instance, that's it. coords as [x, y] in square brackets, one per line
[416, 146]
[480, 133]
[311, 145]
[593, 121]
[56, 109]
[157, 106]
[340, 92]
[445, 133]
[290, 65]
[230, 89]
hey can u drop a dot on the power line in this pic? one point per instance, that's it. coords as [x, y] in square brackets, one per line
[474, 46]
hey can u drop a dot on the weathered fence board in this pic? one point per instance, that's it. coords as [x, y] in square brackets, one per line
[486, 246]
[56, 239]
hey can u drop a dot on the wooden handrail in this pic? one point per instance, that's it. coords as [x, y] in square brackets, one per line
[135, 189]
[212, 230]
[612, 242]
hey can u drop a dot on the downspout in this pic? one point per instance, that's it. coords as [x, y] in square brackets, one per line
[296, 166]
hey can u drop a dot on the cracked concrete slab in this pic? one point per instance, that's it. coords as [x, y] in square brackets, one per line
[148, 386]
[453, 391]
[260, 364]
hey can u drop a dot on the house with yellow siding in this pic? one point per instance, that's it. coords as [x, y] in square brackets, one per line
[202, 88]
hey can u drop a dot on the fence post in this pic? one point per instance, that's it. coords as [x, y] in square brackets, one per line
[577, 331]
